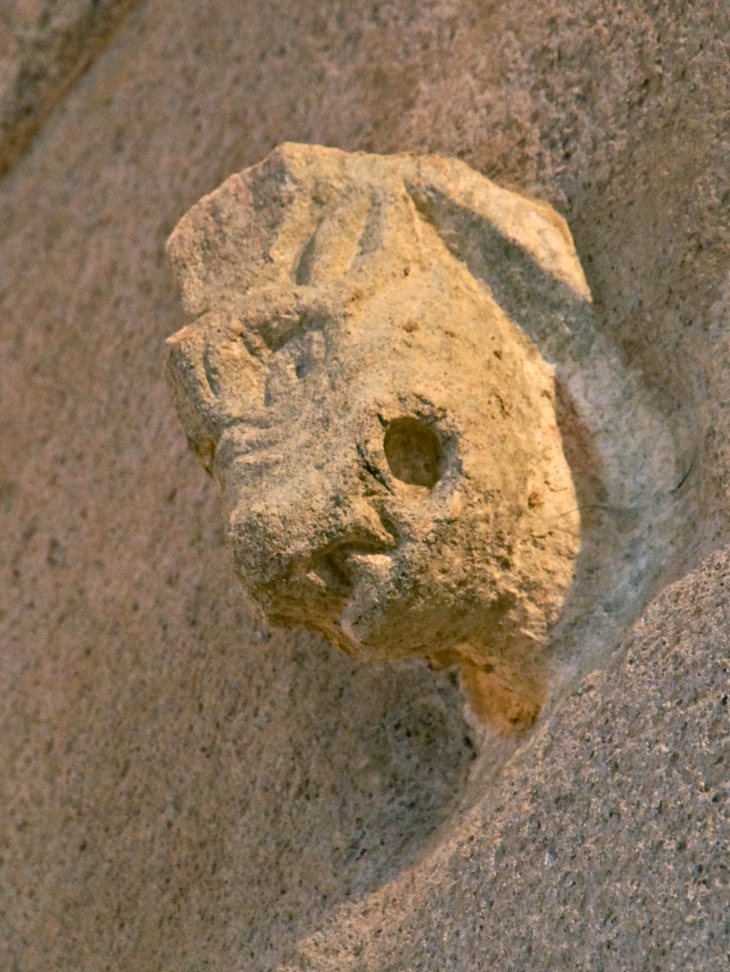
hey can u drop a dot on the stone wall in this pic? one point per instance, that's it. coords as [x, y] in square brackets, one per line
[184, 788]
[44, 47]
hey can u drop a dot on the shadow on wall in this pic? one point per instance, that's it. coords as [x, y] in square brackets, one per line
[331, 777]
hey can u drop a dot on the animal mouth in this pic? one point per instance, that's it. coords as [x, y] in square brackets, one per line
[341, 588]
[341, 570]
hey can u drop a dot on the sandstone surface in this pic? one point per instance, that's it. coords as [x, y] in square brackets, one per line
[183, 788]
[385, 437]
[44, 46]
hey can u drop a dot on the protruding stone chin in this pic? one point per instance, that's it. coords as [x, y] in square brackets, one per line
[384, 433]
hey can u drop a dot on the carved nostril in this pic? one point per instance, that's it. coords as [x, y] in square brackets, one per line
[365, 537]
[413, 452]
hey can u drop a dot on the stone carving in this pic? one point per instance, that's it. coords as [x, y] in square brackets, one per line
[383, 432]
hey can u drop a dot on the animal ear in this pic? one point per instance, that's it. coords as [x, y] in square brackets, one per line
[221, 244]
[293, 218]
[228, 243]
[519, 248]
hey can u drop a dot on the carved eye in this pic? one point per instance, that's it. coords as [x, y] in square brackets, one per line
[413, 452]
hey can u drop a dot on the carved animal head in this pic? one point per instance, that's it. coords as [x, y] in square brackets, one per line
[384, 433]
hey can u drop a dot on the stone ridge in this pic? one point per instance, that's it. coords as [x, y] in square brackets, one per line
[44, 47]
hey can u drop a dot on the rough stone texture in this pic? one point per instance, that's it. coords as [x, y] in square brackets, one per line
[605, 845]
[179, 792]
[385, 436]
[44, 46]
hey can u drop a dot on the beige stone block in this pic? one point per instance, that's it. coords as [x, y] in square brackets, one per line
[384, 434]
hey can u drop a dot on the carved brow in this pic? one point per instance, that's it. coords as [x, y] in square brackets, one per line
[292, 318]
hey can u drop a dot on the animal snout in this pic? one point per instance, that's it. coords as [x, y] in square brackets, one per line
[351, 540]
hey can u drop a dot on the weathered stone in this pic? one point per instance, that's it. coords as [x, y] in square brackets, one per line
[44, 46]
[384, 434]
[183, 789]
